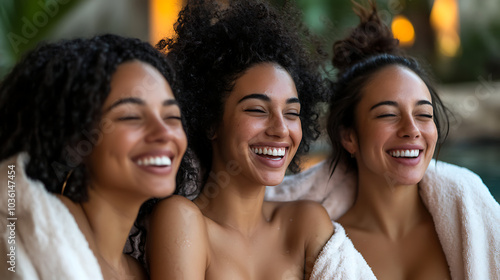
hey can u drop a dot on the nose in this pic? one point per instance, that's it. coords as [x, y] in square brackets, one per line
[157, 131]
[277, 126]
[408, 128]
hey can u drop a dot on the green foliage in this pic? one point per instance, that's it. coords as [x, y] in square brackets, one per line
[24, 23]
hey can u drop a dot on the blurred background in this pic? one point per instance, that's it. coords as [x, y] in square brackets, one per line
[459, 40]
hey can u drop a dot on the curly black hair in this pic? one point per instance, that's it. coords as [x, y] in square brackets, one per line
[53, 99]
[369, 48]
[215, 45]
[51, 104]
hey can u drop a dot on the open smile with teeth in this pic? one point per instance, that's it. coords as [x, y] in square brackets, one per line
[155, 161]
[269, 151]
[405, 153]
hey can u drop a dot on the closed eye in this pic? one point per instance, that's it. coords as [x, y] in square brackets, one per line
[172, 118]
[128, 118]
[386, 116]
[426, 116]
[255, 110]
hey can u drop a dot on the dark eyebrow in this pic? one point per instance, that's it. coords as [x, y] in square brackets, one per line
[256, 96]
[133, 100]
[266, 98]
[170, 102]
[138, 101]
[389, 103]
[424, 102]
[393, 103]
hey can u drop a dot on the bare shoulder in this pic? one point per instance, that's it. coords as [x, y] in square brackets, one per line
[307, 217]
[177, 242]
[305, 211]
[309, 222]
[176, 215]
[175, 204]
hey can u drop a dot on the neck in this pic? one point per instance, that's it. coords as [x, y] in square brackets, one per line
[232, 201]
[391, 209]
[110, 218]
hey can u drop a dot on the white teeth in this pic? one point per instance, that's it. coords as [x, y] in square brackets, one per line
[405, 153]
[155, 161]
[277, 152]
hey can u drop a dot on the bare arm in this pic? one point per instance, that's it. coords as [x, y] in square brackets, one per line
[177, 240]
[319, 230]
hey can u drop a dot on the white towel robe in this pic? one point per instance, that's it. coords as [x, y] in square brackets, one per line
[466, 216]
[48, 242]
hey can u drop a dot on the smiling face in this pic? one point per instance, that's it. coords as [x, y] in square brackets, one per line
[260, 128]
[395, 134]
[142, 141]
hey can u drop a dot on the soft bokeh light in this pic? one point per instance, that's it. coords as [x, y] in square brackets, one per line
[445, 21]
[163, 15]
[403, 30]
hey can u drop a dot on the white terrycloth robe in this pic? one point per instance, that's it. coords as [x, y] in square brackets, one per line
[48, 242]
[466, 216]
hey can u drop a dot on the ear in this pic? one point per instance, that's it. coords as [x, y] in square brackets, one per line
[211, 133]
[349, 140]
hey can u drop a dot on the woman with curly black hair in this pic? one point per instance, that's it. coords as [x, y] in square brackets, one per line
[250, 90]
[95, 122]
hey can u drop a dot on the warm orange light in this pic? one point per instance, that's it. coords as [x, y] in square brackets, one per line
[445, 21]
[403, 30]
[162, 16]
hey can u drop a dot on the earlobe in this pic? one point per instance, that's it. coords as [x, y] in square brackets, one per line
[211, 133]
[349, 140]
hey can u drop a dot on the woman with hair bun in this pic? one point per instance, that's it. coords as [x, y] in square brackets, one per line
[91, 130]
[250, 89]
[410, 217]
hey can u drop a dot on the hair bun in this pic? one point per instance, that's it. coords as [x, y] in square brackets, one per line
[369, 38]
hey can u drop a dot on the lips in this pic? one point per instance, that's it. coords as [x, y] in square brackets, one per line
[272, 156]
[157, 162]
[409, 153]
[271, 151]
[154, 161]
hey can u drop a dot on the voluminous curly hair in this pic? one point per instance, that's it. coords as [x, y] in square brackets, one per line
[369, 48]
[214, 45]
[51, 104]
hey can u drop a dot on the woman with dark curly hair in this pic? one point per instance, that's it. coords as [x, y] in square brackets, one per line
[95, 122]
[250, 90]
[409, 217]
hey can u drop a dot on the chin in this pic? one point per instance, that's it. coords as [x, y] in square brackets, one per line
[163, 189]
[409, 179]
[273, 180]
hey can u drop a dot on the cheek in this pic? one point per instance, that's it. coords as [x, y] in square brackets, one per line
[181, 140]
[118, 142]
[295, 130]
[431, 134]
[429, 129]
[374, 134]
